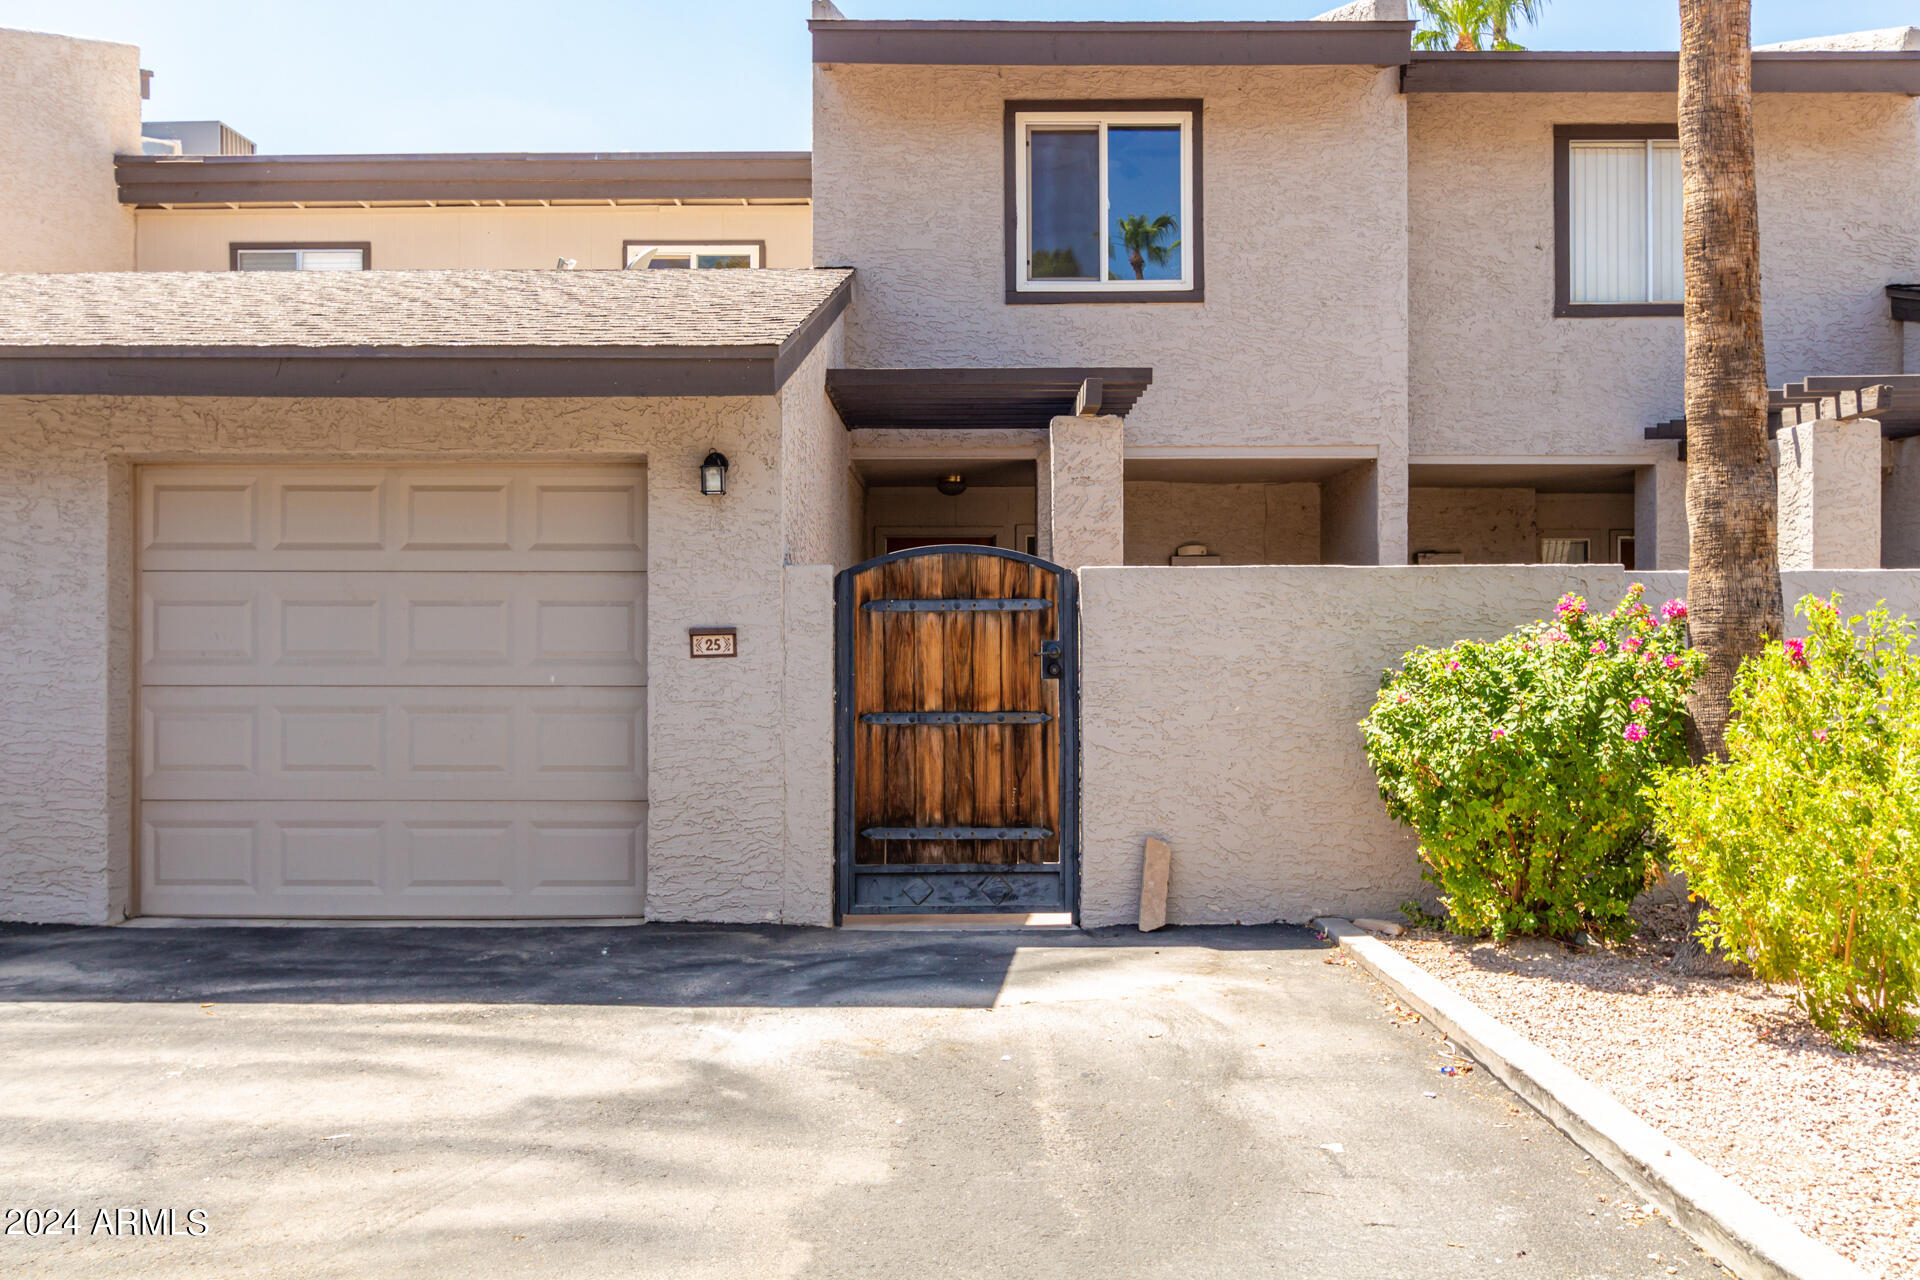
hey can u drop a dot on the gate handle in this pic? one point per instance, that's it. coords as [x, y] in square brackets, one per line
[1051, 665]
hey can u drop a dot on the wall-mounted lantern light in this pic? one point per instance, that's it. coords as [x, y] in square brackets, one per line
[713, 474]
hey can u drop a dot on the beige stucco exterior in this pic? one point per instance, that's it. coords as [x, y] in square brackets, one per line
[739, 820]
[1493, 373]
[507, 238]
[1220, 711]
[1303, 332]
[1086, 487]
[1276, 523]
[1829, 485]
[66, 108]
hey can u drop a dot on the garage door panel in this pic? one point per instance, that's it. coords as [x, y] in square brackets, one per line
[393, 859]
[571, 519]
[392, 691]
[317, 743]
[393, 628]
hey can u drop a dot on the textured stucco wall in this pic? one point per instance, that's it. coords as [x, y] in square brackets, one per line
[719, 817]
[1660, 515]
[66, 108]
[1219, 711]
[1830, 490]
[1302, 334]
[1086, 491]
[1593, 516]
[1487, 526]
[919, 511]
[1900, 505]
[1240, 523]
[815, 464]
[501, 239]
[1494, 373]
[806, 883]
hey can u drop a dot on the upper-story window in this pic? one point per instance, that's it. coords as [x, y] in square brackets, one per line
[1104, 202]
[1617, 200]
[299, 257]
[657, 255]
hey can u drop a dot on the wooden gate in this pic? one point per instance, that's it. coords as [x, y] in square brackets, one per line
[957, 698]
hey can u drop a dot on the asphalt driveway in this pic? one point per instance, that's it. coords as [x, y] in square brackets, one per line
[667, 1101]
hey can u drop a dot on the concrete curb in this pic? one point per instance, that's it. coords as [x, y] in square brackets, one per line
[1753, 1240]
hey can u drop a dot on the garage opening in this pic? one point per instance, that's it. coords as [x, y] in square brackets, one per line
[391, 691]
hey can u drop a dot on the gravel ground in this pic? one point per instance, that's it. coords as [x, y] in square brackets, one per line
[1726, 1066]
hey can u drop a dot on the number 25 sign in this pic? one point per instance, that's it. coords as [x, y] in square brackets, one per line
[712, 642]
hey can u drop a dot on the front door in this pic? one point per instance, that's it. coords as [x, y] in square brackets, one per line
[957, 701]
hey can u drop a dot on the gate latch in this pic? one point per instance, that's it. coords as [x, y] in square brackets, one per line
[1052, 666]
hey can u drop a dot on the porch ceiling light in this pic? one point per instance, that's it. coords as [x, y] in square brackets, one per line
[952, 484]
[713, 474]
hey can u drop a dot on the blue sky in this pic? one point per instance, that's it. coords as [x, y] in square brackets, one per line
[644, 75]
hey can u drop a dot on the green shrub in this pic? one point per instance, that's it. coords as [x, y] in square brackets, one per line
[1805, 843]
[1522, 764]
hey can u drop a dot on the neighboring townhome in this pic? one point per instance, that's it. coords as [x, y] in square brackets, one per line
[361, 563]
[1393, 307]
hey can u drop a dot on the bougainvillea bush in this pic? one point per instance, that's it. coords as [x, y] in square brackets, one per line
[1805, 842]
[1522, 764]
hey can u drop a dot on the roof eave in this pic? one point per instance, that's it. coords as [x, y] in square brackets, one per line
[1111, 44]
[1655, 71]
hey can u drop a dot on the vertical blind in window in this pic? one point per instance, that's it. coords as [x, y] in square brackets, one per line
[1624, 200]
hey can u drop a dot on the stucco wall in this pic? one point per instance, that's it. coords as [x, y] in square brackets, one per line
[1086, 491]
[66, 108]
[815, 464]
[1494, 373]
[1302, 334]
[1240, 523]
[1487, 526]
[1829, 483]
[1219, 711]
[417, 239]
[1900, 505]
[806, 882]
[720, 823]
[1005, 511]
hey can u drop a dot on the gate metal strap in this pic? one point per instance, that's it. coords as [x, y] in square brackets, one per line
[956, 833]
[1011, 605]
[955, 717]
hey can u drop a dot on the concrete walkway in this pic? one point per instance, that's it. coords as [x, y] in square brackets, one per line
[677, 1102]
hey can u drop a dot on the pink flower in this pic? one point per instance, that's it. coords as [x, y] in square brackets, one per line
[1672, 662]
[1639, 704]
[1570, 605]
[1498, 734]
[1453, 666]
[1599, 646]
[1558, 636]
[1631, 643]
[1636, 733]
[1674, 610]
[1796, 651]
[1820, 734]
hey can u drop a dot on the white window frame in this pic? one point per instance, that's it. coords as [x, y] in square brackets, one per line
[641, 249]
[300, 255]
[1023, 126]
[1647, 145]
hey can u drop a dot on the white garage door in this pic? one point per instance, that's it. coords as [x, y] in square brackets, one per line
[392, 691]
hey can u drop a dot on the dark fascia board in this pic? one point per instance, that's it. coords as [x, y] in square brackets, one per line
[1112, 44]
[555, 176]
[1906, 301]
[1775, 71]
[418, 372]
[975, 398]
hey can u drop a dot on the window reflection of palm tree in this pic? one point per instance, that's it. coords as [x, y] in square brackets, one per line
[1144, 240]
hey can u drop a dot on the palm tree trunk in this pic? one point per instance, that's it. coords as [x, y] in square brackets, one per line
[1733, 584]
[1733, 588]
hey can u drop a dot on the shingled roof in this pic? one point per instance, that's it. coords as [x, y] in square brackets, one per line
[413, 332]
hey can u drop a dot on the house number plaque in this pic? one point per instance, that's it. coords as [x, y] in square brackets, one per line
[712, 642]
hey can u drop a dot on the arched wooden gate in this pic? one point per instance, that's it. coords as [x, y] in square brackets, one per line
[958, 726]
